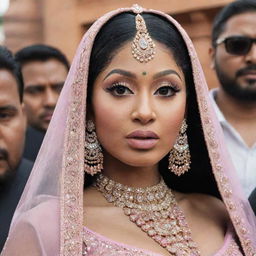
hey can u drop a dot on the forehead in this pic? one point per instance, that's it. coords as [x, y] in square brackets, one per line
[162, 60]
[8, 88]
[241, 24]
[34, 69]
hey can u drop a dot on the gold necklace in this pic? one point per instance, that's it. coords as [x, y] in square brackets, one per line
[154, 210]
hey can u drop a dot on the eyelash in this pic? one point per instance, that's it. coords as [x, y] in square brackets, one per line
[122, 85]
[173, 87]
[119, 85]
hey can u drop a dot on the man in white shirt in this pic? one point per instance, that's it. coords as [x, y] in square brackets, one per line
[233, 55]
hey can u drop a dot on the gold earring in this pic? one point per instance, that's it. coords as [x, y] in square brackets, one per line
[93, 157]
[179, 157]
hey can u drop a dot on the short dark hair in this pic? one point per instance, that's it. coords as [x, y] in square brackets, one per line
[40, 52]
[230, 10]
[8, 62]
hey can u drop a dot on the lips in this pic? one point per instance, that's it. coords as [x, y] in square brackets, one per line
[47, 116]
[249, 73]
[3, 154]
[142, 139]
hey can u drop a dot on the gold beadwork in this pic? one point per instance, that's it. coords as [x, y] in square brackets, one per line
[179, 157]
[93, 157]
[143, 47]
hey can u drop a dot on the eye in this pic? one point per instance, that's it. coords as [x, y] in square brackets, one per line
[3, 116]
[167, 90]
[119, 89]
[34, 90]
[58, 87]
[6, 115]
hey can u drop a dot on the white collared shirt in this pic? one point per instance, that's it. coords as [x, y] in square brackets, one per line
[243, 157]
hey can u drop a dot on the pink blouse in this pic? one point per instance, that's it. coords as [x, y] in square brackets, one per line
[98, 245]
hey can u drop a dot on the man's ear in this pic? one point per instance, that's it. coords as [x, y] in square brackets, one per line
[212, 52]
[24, 114]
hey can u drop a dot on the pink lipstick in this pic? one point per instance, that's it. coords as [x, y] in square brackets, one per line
[142, 139]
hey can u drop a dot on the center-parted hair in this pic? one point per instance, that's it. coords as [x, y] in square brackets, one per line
[122, 29]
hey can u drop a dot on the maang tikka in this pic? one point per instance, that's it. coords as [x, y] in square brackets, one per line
[179, 157]
[93, 157]
[143, 47]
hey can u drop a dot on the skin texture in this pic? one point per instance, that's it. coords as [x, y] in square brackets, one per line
[238, 110]
[144, 107]
[12, 125]
[43, 81]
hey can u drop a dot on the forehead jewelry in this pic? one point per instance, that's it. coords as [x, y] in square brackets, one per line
[143, 47]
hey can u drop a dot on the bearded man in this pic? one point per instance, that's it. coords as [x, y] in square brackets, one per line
[233, 55]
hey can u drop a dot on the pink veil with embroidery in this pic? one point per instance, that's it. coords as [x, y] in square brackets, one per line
[49, 217]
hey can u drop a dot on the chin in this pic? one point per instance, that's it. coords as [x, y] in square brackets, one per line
[140, 161]
[5, 175]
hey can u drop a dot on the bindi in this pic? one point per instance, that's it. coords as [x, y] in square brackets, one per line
[144, 73]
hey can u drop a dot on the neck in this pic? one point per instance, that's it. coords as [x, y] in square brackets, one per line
[129, 175]
[235, 110]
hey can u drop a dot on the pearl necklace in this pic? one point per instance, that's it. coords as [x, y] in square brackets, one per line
[154, 210]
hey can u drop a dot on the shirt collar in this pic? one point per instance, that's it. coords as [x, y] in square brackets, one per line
[220, 116]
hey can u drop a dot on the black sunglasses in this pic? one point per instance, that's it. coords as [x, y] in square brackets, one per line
[237, 45]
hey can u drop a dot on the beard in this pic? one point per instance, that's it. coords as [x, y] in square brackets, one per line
[245, 92]
[9, 172]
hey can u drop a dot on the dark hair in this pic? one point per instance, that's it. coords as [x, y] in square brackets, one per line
[230, 10]
[121, 29]
[40, 52]
[113, 35]
[8, 62]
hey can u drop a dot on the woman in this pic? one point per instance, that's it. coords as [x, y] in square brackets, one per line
[151, 149]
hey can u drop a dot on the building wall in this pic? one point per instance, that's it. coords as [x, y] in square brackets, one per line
[23, 24]
[62, 23]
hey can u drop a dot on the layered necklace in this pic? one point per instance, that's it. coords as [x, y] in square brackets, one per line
[154, 210]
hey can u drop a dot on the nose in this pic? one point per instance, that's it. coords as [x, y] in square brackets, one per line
[143, 111]
[251, 56]
[51, 98]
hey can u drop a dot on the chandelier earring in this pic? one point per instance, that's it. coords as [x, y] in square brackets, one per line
[179, 157]
[93, 157]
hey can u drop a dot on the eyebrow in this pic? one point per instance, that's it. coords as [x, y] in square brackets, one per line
[33, 85]
[165, 73]
[131, 75]
[121, 72]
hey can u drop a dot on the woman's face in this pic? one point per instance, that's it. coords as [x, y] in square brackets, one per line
[138, 107]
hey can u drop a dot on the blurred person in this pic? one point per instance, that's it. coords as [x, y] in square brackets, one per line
[252, 200]
[44, 69]
[14, 170]
[234, 60]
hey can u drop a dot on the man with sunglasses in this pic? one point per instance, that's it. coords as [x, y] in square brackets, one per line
[233, 55]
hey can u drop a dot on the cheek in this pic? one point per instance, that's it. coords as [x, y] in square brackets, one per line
[171, 122]
[15, 133]
[109, 120]
[229, 64]
[32, 103]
